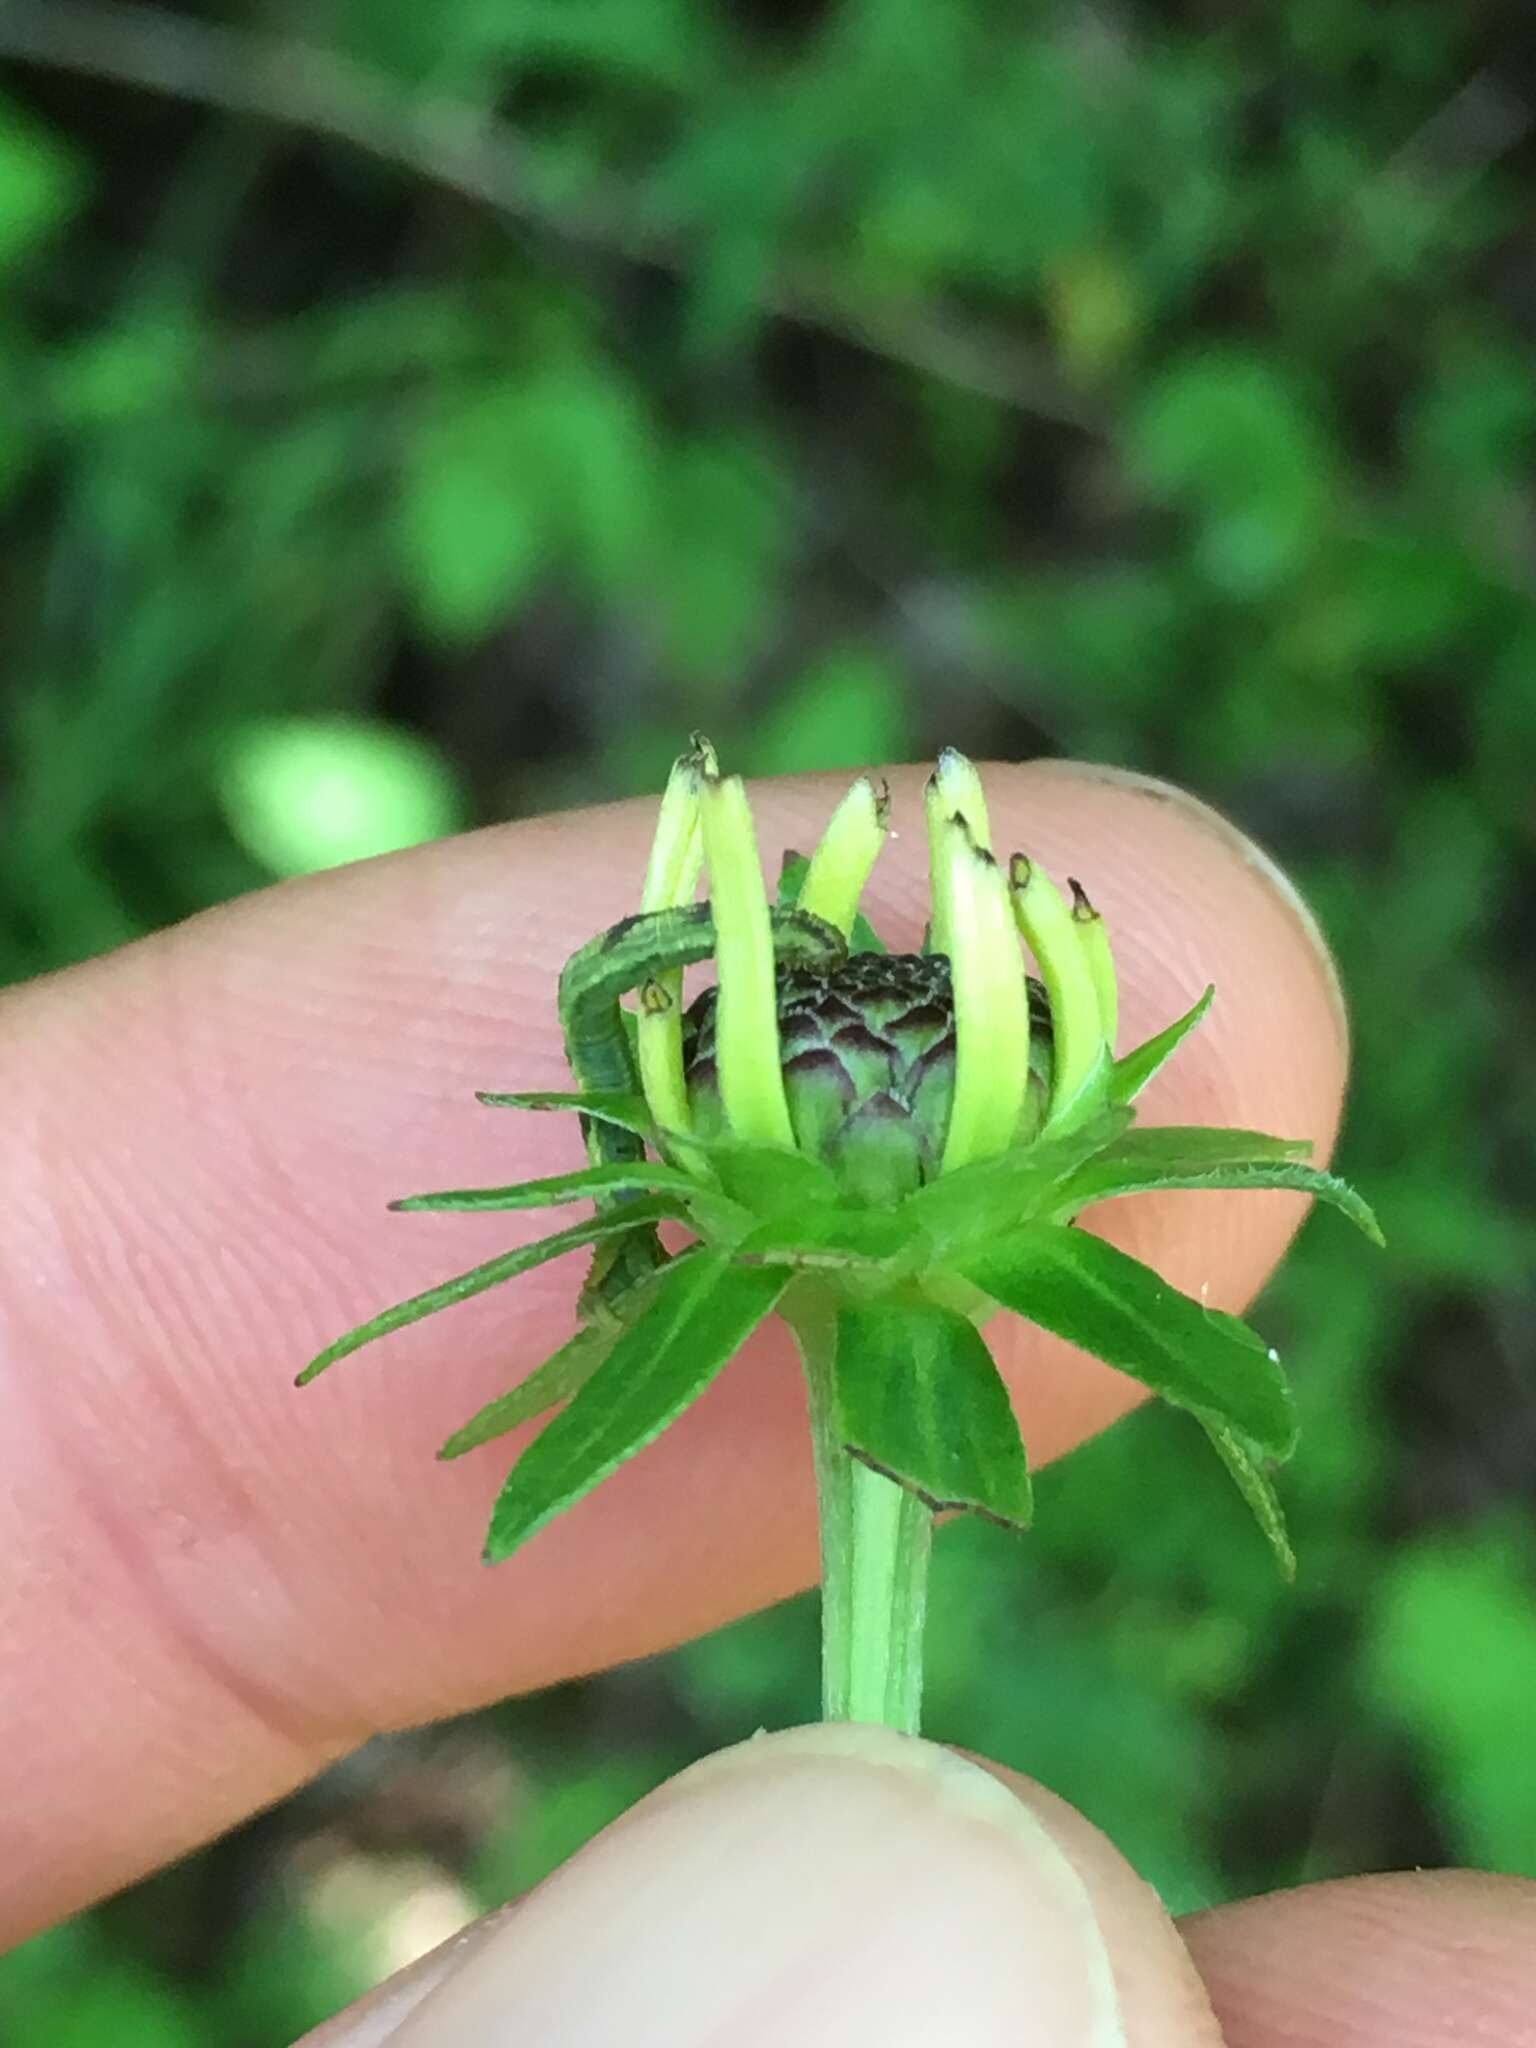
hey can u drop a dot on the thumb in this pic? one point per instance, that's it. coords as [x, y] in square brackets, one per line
[832, 1885]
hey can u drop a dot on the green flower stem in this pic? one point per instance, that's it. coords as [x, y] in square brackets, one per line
[875, 1542]
[882, 1676]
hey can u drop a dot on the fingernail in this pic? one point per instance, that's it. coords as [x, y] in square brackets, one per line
[1248, 851]
[834, 1884]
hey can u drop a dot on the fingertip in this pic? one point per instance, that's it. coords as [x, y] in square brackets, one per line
[830, 1884]
[1417, 1959]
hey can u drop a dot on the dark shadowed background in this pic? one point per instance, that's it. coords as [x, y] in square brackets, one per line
[422, 412]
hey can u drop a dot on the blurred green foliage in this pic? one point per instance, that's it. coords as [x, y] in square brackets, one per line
[432, 420]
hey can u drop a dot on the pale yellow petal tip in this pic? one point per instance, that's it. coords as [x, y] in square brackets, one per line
[701, 757]
[990, 998]
[955, 787]
[747, 1030]
[677, 850]
[849, 848]
[1094, 934]
[1077, 973]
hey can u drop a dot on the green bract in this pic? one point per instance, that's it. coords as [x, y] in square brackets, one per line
[885, 1148]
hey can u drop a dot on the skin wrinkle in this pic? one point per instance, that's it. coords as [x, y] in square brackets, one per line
[142, 1559]
[115, 1298]
[1437, 1959]
[367, 1604]
[866, 1876]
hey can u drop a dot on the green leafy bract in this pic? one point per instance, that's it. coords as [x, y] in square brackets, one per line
[604, 1105]
[702, 1311]
[1242, 1460]
[1132, 1073]
[1168, 1157]
[1090, 1101]
[919, 1398]
[832, 1237]
[1182, 1147]
[1120, 1310]
[561, 1375]
[762, 1178]
[625, 1177]
[977, 1202]
[491, 1274]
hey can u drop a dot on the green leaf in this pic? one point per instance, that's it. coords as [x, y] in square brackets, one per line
[701, 1314]
[1188, 1147]
[1120, 1310]
[560, 1376]
[604, 1106]
[1450, 1659]
[1242, 1460]
[623, 1178]
[1132, 1073]
[1253, 1162]
[767, 1179]
[1231, 434]
[862, 937]
[475, 513]
[847, 710]
[919, 1398]
[993, 1195]
[308, 793]
[832, 1237]
[1089, 1101]
[42, 179]
[491, 1274]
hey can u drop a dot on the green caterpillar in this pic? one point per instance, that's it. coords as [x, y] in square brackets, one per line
[628, 956]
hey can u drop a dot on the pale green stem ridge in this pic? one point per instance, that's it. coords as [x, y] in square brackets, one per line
[875, 1543]
[991, 998]
[841, 864]
[891, 1535]
[1056, 940]
[746, 1020]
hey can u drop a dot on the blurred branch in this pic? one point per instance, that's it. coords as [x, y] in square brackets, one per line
[465, 148]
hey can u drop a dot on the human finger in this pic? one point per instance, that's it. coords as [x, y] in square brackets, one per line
[216, 1583]
[827, 1886]
[1421, 1959]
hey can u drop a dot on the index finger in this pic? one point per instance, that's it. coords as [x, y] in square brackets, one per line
[219, 1584]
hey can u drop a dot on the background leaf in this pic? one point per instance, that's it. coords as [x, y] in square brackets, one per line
[303, 793]
[41, 180]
